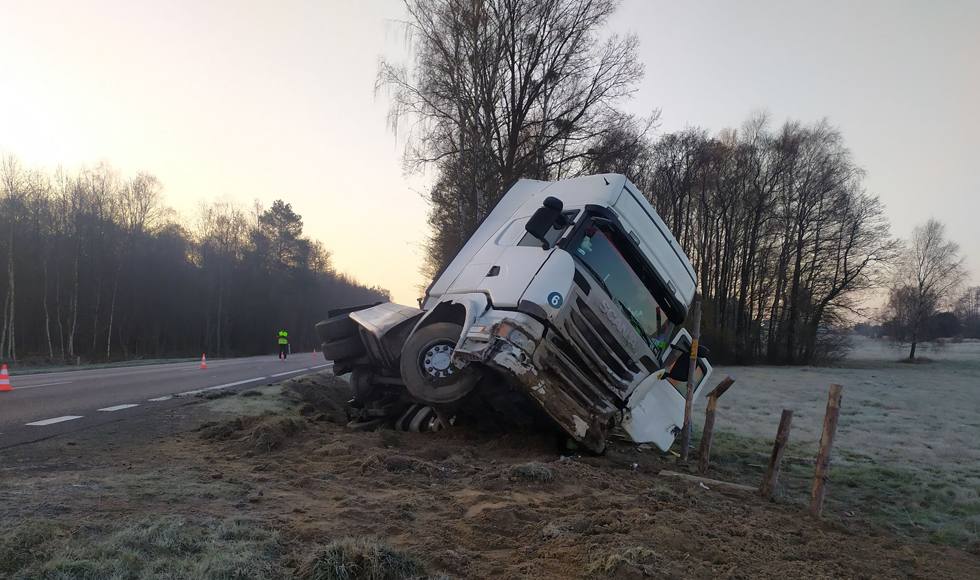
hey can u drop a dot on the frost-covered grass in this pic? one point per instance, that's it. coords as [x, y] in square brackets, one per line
[906, 451]
[363, 559]
[161, 548]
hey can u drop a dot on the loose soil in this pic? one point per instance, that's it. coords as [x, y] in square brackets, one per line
[467, 504]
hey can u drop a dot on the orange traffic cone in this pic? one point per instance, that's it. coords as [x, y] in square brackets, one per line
[204, 362]
[5, 380]
[314, 353]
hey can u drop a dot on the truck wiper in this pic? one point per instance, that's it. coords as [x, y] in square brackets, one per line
[596, 275]
[635, 322]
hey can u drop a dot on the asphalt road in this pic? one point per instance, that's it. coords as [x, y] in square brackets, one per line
[45, 405]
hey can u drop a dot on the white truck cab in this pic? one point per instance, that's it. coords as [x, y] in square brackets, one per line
[568, 294]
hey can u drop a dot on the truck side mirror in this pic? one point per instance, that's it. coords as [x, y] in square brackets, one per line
[546, 217]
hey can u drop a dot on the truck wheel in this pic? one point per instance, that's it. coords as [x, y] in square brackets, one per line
[426, 369]
[336, 328]
[343, 348]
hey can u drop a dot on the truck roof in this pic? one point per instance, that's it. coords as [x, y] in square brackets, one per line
[611, 190]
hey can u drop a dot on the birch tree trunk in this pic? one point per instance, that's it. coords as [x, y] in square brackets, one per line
[112, 310]
[47, 314]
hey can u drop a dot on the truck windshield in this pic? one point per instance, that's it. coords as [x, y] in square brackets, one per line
[610, 256]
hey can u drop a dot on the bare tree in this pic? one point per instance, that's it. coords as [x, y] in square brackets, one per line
[140, 203]
[783, 236]
[968, 311]
[929, 273]
[11, 180]
[500, 90]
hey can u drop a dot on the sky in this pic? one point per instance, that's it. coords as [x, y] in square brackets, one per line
[246, 100]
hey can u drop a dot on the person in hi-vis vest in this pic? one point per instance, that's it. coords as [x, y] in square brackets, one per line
[283, 344]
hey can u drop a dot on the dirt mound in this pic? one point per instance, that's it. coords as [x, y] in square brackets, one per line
[255, 433]
[268, 435]
[326, 394]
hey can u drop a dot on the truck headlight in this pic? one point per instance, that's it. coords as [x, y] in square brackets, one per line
[513, 335]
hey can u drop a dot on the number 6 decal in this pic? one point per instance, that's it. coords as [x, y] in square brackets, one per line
[555, 300]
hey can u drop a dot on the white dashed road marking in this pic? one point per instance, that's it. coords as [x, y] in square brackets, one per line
[119, 407]
[44, 385]
[56, 420]
[220, 386]
[167, 398]
[289, 372]
[321, 366]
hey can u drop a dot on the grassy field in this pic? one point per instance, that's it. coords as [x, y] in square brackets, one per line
[907, 452]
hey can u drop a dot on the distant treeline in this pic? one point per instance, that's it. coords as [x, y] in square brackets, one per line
[94, 266]
[962, 321]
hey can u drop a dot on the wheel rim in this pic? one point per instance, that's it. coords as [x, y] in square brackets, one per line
[435, 360]
[430, 373]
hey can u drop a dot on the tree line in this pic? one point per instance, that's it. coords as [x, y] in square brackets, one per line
[776, 220]
[95, 267]
[959, 322]
[783, 235]
[956, 323]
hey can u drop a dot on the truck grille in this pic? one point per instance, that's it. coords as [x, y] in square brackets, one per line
[603, 368]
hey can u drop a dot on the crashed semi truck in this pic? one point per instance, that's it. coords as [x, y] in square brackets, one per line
[563, 306]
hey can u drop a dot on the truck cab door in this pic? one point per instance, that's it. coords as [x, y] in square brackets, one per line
[655, 411]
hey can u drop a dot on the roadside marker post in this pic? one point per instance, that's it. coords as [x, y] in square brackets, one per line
[314, 353]
[5, 380]
[204, 362]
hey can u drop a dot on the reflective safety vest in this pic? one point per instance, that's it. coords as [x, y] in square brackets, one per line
[283, 337]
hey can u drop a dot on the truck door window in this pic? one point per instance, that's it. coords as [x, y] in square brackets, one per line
[673, 358]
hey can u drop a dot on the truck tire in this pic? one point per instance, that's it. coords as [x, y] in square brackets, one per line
[425, 365]
[336, 328]
[341, 348]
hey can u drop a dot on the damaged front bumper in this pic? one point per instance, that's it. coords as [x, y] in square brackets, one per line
[587, 412]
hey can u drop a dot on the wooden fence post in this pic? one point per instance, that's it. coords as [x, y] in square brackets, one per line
[826, 443]
[782, 437]
[709, 422]
[689, 403]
